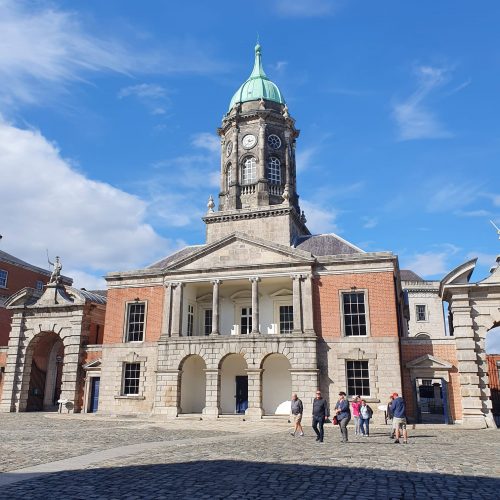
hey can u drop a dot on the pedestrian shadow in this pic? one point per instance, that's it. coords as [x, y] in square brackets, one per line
[245, 479]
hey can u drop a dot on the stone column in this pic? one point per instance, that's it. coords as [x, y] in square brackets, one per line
[307, 304]
[176, 317]
[212, 409]
[167, 311]
[14, 366]
[254, 410]
[255, 305]
[297, 304]
[215, 307]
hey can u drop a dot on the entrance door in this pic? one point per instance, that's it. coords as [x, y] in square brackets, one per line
[432, 400]
[241, 393]
[94, 393]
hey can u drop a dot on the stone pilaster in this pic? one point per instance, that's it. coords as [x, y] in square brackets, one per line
[297, 304]
[254, 410]
[212, 409]
[176, 318]
[307, 304]
[215, 307]
[255, 305]
[167, 311]
[168, 392]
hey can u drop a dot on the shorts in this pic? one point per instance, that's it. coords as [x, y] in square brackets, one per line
[399, 422]
[297, 418]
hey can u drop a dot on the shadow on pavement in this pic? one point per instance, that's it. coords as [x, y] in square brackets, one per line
[258, 480]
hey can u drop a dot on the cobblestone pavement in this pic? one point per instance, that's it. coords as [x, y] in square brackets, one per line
[233, 459]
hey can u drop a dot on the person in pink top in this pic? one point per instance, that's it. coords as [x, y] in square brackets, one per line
[356, 403]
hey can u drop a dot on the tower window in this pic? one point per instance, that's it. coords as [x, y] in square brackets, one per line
[274, 141]
[274, 170]
[249, 171]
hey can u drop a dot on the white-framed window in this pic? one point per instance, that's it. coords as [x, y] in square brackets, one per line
[3, 278]
[421, 312]
[190, 320]
[358, 378]
[228, 176]
[354, 314]
[286, 318]
[131, 378]
[39, 285]
[207, 321]
[249, 171]
[274, 170]
[246, 320]
[136, 320]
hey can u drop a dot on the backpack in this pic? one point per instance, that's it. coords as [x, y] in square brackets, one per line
[370, 411]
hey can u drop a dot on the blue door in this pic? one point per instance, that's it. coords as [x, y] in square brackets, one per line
[241, 394]
[94, 394]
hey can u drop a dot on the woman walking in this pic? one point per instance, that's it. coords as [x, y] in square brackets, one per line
[356, 403]
[343, 415]
[365, 413]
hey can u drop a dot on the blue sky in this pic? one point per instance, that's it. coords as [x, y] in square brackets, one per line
[108, 113]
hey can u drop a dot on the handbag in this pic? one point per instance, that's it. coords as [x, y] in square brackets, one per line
[335, 420]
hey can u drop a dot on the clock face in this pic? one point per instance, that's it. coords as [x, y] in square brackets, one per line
[249, 141]
[229, 148]
[274, 141]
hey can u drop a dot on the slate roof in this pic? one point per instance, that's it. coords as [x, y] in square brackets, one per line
[326, 244]
[96, 298]
[102, 293]
[408, 275]
[180, 254]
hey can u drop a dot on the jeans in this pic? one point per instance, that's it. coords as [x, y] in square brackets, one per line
[364, 426]
[343, 428]
[356, 425]
[319, 422]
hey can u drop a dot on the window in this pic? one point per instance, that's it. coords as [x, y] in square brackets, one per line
[274, 170]
[131, 374]
[249, 171]
[421, 312]
[135, 321]
[354, 313]
[207, 322]
[190, 320]
[286, 319]
[39, 285]
[228, 176]
[358, 378]
[246, 320]
[274, 141]
[3, 278]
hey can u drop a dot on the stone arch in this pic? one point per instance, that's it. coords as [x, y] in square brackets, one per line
[422, 336]
[282, 350]
[192, 384]
[276, 384]
[42, 372]
[233, 373]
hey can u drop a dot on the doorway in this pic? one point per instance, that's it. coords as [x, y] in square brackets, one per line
[241, 393]
[432, 401]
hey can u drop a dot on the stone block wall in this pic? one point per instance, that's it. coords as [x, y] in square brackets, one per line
[116, 312]
[3, 360]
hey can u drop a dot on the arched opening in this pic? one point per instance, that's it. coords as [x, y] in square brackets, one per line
[193, 384]
[276, 385]
[44, 365]
[492, 348]
[233, 384]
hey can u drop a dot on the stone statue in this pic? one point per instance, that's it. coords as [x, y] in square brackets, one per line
[286, 194]
[303, 217]
[285, 112]
[210, 204]
[55, 277]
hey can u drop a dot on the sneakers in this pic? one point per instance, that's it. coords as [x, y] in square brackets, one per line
[396, 441]
[301, 434]
[292, 434]
[317, 439]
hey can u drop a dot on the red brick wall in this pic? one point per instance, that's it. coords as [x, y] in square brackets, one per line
[17, 279]
[381, 303]
[444, 352]
[116, 309]
[494, 382]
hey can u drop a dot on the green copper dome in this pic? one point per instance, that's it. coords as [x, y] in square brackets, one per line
[258, 86]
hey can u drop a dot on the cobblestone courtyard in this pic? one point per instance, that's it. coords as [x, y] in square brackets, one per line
[51, 456]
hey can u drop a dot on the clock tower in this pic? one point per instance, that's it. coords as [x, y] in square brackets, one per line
[258, 188]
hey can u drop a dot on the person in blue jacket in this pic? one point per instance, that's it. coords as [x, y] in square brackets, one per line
[343, 415]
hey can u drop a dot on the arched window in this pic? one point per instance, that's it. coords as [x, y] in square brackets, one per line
[274, 170]
[249, 171]
[228, 176]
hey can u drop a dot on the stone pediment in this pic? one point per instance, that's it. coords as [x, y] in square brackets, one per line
[429, 361]
[93, 365]
[240, 250]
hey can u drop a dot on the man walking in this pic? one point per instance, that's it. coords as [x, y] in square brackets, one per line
[297, 409]
[343, 415]
[320, 414]
[398, 409]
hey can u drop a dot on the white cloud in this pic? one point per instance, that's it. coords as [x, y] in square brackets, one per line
[44, 49]
[431, 263]
[152, 96]
[414, 119]
[305, 8]
[483, 259]
[473, 213]
[94, 227]
[451, 196]
[319, 219]
[208, 141]
[369, 222]
[304, 158]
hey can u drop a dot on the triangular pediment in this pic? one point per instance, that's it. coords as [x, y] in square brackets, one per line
[240, 250]
[429, 361]
[93, 365]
